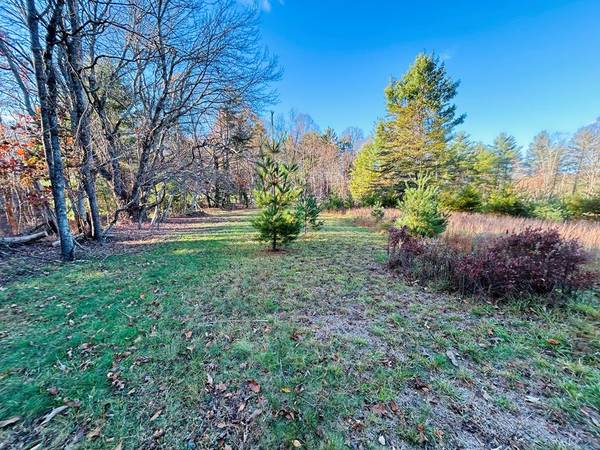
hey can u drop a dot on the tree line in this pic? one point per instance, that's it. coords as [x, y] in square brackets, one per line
[418, 137]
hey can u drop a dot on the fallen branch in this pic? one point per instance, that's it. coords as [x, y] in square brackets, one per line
[77, 236]
[24, 239]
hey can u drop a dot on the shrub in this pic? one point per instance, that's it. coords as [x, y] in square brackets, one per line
[531, 262]
[468, 198]
[377, 212]
[308, 212]
[420, 209]
[550, 210]
[333, 203]
[506, 201]
[583, 207]
[421, 259]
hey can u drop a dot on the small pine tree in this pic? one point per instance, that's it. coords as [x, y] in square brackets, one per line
[277, 223]
[420, 209]
[308, 212]
[378, 212]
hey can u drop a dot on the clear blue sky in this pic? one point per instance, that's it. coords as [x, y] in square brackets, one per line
[524, 65]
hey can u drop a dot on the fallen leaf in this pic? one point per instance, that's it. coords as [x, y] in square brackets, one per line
[209, 379]
[296, 336]
[254, 386]
[52, 390]
[379, 409]
[421, 385]
[188, 334]
[158, 433]
[94, 433]
[54, 413]
[296, 443]
[222, 387]
[241, 407]
[452, 357]
[439, 434]
[553, 342]
[155, 415]
[381, 440]
[394, 406]
[286, 390]
[257, 412]
[10, 421]
[532, 399]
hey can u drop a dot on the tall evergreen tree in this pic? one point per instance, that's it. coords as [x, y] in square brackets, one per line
[507, 151]
[364, 174]
[421, 118]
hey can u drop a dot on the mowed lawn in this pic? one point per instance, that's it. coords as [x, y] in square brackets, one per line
[210, 341]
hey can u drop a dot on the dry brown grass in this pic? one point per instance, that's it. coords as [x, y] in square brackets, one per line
[461, 225]
[471, 224]
[362, 216]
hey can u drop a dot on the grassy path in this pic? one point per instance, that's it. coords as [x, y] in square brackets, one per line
[209, 341]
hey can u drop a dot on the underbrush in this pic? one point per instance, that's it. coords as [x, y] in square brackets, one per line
[532, 262]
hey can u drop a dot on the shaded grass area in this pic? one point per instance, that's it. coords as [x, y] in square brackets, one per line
[211, 341]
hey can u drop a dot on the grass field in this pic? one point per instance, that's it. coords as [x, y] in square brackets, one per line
[210, 341]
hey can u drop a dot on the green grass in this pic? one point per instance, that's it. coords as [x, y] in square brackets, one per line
[326, 332]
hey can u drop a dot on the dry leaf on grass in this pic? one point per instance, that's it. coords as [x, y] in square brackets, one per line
[296, 443]
[379, 409]
[10, 421]
[94, 433]
[54, 413]
[452, 357]
[52, 390]
[158, 433]
[254, 386]
[394, 406]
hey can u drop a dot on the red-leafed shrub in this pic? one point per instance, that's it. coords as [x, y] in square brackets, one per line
[533, 261]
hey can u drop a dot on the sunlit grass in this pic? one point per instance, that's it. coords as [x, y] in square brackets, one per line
[322, 327]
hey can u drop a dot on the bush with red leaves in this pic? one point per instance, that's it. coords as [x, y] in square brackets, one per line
[531, 262]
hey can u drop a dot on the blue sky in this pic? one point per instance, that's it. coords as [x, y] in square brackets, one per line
[524, 65]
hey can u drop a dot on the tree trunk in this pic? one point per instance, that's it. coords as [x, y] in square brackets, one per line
[45, 77]
[81, 122]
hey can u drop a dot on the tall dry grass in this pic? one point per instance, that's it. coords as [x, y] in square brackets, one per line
[473, 224]
[461, 225]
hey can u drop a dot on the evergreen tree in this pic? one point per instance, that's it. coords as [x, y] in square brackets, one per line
[420, 121]
[507, 151]
[277, 223]
[364, 174]
[308, 212]
[421, 212]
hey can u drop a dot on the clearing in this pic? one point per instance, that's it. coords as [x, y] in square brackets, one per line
[207, 340]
